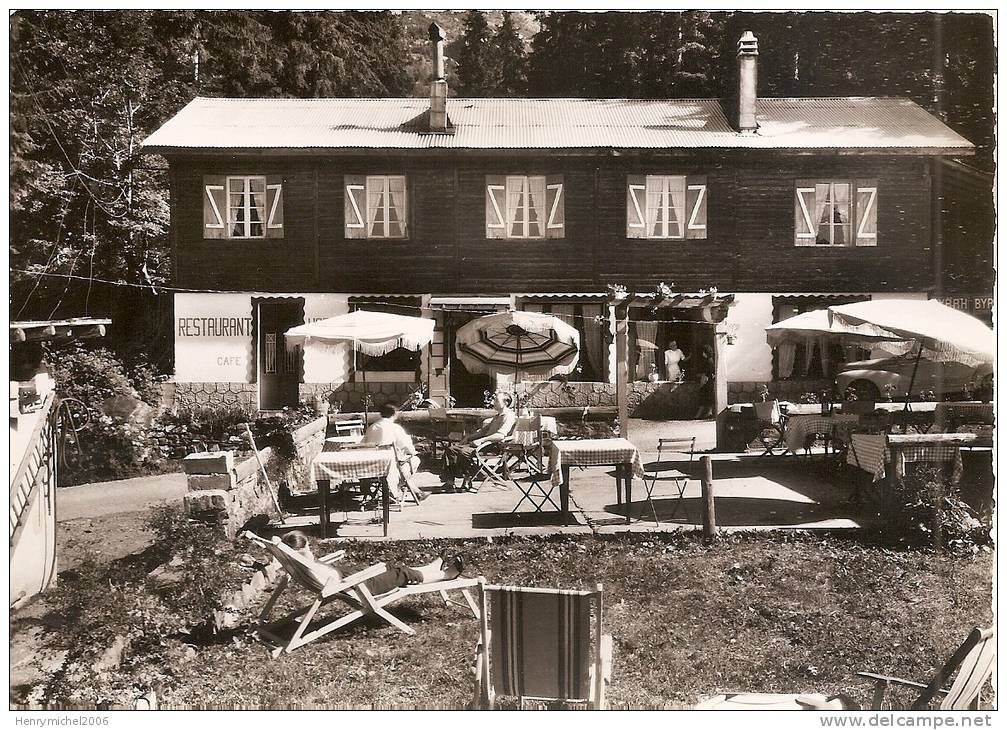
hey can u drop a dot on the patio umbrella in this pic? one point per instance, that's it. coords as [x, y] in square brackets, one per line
[372, 333]
[518, 342]
[947, 334]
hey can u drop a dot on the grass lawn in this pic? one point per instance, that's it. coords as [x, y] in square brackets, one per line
[766, 613]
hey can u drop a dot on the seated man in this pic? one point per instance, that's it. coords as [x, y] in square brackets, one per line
[460, 458]
[396, 576]
[384, 432]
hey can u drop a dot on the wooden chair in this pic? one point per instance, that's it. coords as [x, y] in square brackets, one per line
[771, 427]
[539, 644]
[666, 468]
[319, 578]
[971, 665]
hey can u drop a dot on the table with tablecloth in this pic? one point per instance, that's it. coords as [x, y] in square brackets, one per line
[870, 453]
[949, 416]
[351, 465]
[617, 452]
[799, 428]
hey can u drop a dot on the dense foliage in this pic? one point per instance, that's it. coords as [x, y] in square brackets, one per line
[87, 87]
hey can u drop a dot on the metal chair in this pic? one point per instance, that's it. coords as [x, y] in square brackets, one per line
[771, 427]
[668, 470]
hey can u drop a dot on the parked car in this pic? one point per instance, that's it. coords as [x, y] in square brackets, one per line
[868, 378]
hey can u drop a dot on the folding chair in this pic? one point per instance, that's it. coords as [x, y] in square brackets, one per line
[349, 427]
[664, 469]
[533, 492]
[321, 579]
[771, 427]
[489, 466]
[539, 644]
[527, 443]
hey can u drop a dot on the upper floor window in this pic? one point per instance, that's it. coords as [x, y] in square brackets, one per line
[375, 206]
[666, 206]
[836, 213]
[242, 206]
[524, 206]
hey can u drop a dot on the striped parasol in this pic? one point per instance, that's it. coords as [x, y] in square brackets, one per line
[518, 342]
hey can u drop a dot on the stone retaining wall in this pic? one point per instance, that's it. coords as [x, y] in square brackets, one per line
[646, 400]
[349, 397]
[790, 390]
[228, 491]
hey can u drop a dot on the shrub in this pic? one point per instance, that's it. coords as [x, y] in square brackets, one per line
[916, 499]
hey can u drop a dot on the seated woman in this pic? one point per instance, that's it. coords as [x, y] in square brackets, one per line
[459, 459]
[384, 432]
[396, 576]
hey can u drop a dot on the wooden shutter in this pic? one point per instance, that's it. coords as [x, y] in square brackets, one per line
[496, 204]
[695, 206]
[867, 212]
[354, 206]
[805, 226]
[214, 207]
[556, 216]
[274, 206]
[636, 206]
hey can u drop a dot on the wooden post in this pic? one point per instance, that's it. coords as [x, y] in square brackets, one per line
[709, 508]
[622, 367]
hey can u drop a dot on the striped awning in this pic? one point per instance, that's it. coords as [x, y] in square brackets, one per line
[518, 342]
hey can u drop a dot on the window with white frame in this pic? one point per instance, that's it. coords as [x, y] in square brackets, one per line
[524, 206]
[242, 206]
[836, 213]
[666, 206]
[375, 206]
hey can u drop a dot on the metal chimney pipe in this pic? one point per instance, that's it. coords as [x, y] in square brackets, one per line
[748, 67]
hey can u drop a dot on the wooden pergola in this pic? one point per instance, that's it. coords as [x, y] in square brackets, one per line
[706, 307]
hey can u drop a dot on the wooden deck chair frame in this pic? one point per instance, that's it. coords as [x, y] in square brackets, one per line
[680, 479]
[973, 661]
[350, 590]
[484, 696]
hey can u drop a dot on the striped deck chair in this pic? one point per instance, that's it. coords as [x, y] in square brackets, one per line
[538, 644]
[319, 578]
[972, 665]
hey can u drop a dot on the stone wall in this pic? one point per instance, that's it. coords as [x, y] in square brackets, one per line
[662, 400]
[194, 395]
[789, 390]
[349, 397]
[228, 491]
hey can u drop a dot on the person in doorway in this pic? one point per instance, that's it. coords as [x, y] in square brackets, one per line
[705, 372]
[387, 432]
[673, 358]
[444, 567]
[459, 459]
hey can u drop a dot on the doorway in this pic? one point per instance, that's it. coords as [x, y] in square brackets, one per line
[468, 389]
[278, 368]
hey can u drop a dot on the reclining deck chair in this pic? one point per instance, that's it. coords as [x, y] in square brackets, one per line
[319, 578]
[538, 644]
[973, 662]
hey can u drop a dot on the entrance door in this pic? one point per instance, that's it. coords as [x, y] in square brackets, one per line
[279, 369]
[468, 389]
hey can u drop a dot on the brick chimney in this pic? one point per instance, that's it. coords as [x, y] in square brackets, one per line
[748, 73]
[438, 118]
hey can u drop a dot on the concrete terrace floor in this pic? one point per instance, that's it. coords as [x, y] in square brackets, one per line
[751, 493]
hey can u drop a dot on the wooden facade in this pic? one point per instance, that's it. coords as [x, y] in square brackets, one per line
[749, 244]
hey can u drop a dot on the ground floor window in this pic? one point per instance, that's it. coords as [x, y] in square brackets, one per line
[590, 319]
[400, 359]
[664, 344]
[815, 358]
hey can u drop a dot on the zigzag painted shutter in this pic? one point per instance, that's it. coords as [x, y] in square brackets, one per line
[695, 206]
[274, 206]
[496, 204]
[555, 204]
[636, 206]
[867, 213]
[214, 207]
[354, 206]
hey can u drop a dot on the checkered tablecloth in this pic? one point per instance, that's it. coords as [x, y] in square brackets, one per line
[870, 453]
[800, 427]
[525, 436]
[352, 464]
[593, 452]
[948, 413]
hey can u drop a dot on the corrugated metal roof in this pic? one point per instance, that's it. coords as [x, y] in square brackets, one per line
[489, 124]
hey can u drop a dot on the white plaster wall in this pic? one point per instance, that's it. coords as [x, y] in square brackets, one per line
[206, 358]
[750, 358]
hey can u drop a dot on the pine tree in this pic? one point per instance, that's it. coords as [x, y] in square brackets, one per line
[512, 59]
[477, 62]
